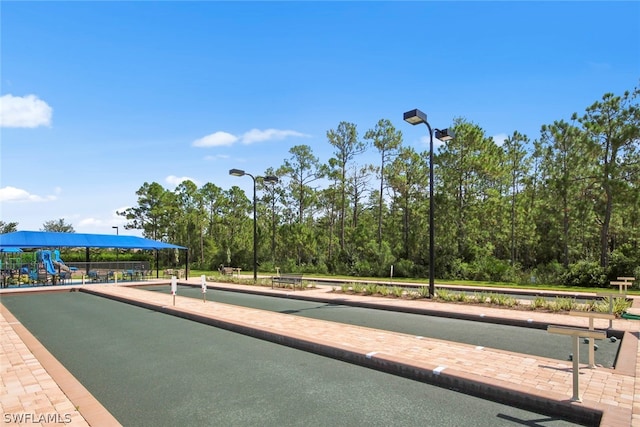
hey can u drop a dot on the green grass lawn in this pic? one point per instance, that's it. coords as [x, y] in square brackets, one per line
[424, 281]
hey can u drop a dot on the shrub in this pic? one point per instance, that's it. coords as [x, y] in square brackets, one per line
[622, 263]
[563, 304]
[503, 300]
[510, 301]
[371, 289]
[620, 305]
[494, 298]
[362, 268]
[457, 270]
[585, 274]
[461, 297]
[493, 269]
[414, 294]
[397, 291]
[548, 274]
[481, 297]
[602, 306]
[442, 294]
[590, 305]
[404, 268]
[423, 292]
[538, 302]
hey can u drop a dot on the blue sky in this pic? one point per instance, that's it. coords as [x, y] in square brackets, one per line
[100, 97]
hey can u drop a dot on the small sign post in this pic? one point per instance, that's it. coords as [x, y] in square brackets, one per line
[174, 288]
[203, 281]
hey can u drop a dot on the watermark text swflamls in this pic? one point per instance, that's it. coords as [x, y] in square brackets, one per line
[33, 418]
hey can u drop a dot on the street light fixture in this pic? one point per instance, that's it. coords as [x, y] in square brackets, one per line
[270, 179]
[416, 117]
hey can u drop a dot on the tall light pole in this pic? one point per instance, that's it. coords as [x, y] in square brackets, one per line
[268, 179]
[415, 117]
[117, 250]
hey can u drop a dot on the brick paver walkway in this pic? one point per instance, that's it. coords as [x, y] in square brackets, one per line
[499, 374]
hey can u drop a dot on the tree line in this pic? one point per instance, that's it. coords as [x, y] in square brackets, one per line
[562, 208]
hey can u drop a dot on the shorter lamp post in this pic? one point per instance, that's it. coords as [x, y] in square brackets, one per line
[268, 179]
[416, 117]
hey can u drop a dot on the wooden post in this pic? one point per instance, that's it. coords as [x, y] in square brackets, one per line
[576, 334]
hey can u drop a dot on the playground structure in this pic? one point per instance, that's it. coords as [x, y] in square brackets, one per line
[42, 266]
[45, 267]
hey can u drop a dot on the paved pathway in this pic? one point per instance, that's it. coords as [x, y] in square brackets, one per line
[513, 377]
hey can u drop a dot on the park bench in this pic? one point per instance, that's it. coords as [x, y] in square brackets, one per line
[287, 279]
[230, 271]
[170, 272]
[622, 285]
[100, 276]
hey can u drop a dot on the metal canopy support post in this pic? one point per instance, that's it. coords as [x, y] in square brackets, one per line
[186, 268]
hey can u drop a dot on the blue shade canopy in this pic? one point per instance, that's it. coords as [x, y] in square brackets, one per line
[46, 239]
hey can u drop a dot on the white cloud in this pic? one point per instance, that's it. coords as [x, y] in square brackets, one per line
[24, 112]
[223, 139]
[104, 225]
[13, 194]
[91, 222]
[500, 138]
[216, 157]
[176, 180]
[217, 139]
[257, 135]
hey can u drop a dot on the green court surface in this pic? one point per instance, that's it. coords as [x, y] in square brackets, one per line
[537, 342]
[153, 369]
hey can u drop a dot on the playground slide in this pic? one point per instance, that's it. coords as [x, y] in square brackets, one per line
[48, 264]
[59, 264]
